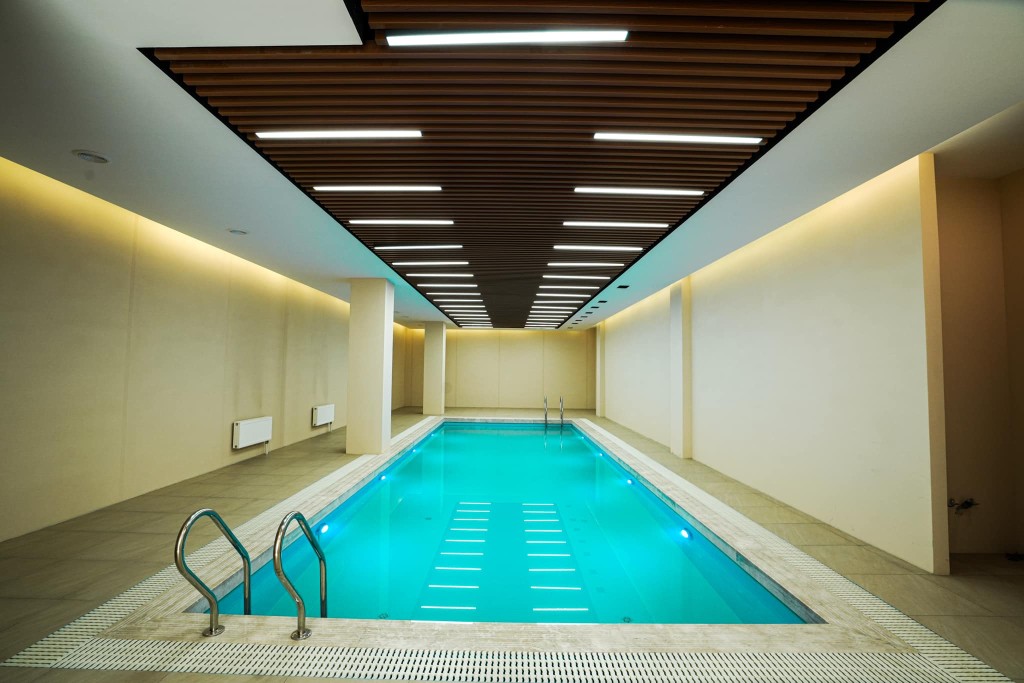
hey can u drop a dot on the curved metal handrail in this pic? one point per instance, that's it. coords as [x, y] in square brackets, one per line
[301, 633]
[561, 413]
[179, 560]
[545, 413]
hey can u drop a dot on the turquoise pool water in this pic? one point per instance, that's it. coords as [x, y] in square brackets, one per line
[507, 523]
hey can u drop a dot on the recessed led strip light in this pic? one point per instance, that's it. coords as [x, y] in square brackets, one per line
[403, 221]
[430, 263]
[640, 190]
[576, 277]
[377, 188]
[336, 134]
[448, 285]
[588, 247]
[568, 287]
[439, 274]
[551, 308]
[613, 224]
[567, 295]
[418, 246]
[692, 139]
[451, 301]
[508, 38]
[461, 307]
[584, 264]
[433, 293]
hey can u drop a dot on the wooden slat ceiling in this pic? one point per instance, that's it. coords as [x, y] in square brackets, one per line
[508, 131]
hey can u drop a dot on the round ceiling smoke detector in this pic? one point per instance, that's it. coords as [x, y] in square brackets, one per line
[90, 156]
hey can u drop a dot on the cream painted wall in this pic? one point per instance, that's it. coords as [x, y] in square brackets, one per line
[815, 368]
[414, 367]
[976, 365]
[1011, 194]
[637, 378]
[127, 349]
[517, 368]
[398, 357]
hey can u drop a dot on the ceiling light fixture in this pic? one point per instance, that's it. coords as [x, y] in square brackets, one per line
[640, 190]
[567, 295]
[569, 287]
[613, 224]
[377, 188]
[418, 246]
[584, 264]
[508, 38]
[694, 139]
[336, 134]
[574, 303]
[535, 307]
[439, 274]
[432, 293]
[430, 263]
[588, 247]
[449, 285]
[437, 301]
[576, 277]
[402, 221]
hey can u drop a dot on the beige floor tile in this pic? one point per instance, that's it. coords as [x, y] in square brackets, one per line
[204, 678]
[807, 534]
[984, 564]
[995, 640]
[80, 676]
[1002, 595]
[35, 619]
[773, 514]
[916, 595]
[71, 579]
[848, 559]
[21, 674]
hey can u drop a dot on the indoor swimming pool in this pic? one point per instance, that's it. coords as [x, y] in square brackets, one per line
[516, 523]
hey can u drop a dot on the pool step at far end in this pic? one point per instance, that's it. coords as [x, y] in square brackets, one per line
[501, 559]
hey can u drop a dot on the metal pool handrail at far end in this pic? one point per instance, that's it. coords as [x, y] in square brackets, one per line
[301, 633]
[179, 560]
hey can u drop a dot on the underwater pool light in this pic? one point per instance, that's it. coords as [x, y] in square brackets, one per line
[684, 533]
[325, 528]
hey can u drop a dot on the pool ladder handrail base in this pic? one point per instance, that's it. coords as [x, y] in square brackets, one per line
[215, 628]
[561, 413]
[300, 633]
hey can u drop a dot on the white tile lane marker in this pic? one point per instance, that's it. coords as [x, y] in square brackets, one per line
[444, 607]
[543, 570]
[542, 521]
[547, 554]
[546, 542]
[539, 512]
[465, 529]
[539, 505]
[561, 609]
[464, 540]
[543, 531]
[466, 502]
[442, 585]
[475, 512]
[473, 554]
[556, 588]
[470, 519]
[459, 569]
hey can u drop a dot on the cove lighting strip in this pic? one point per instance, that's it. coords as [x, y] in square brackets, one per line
[336, 134]
[640, 190]
[691, 139]
[508, 38]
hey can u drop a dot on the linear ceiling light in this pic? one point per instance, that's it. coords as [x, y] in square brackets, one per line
[336, 134]
[567, 295]
[589, 247]
[695, 139]
[569, 287]
[546, 318]
[574, 303]
[551, 308]
[584, 264]
[449, 285]
[640, 190]
[576, 277]
[377, 188]
[437, 301]
[507, 38]
[418, 246]
[430, 263]
[432, 293]
[401, 221]
[439, 274]
[613, 224]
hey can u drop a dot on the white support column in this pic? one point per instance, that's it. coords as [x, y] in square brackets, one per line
[370, 341]
[434, 339]
[680, 394]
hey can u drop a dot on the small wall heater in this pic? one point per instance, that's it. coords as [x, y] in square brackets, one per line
[323, 415]
[250, 432]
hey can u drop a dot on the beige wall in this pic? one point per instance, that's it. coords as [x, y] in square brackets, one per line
[810, 366]
[1011, 194]
[127, 349]
[976, 365]
[407, 368]
[517, 368]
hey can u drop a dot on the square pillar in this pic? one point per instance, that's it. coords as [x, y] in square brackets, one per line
[434, 338]
[370, 341]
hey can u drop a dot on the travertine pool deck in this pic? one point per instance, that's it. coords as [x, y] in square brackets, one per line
[52, 576]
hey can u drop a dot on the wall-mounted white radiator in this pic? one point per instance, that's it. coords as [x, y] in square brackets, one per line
[249, 432]
[323, 415]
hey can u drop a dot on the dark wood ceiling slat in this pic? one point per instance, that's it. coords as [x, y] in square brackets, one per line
[508, 130]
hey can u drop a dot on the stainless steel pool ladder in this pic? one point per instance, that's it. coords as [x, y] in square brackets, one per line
[545, 413]
[179, 560]
[561, 413]
[301, 633]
